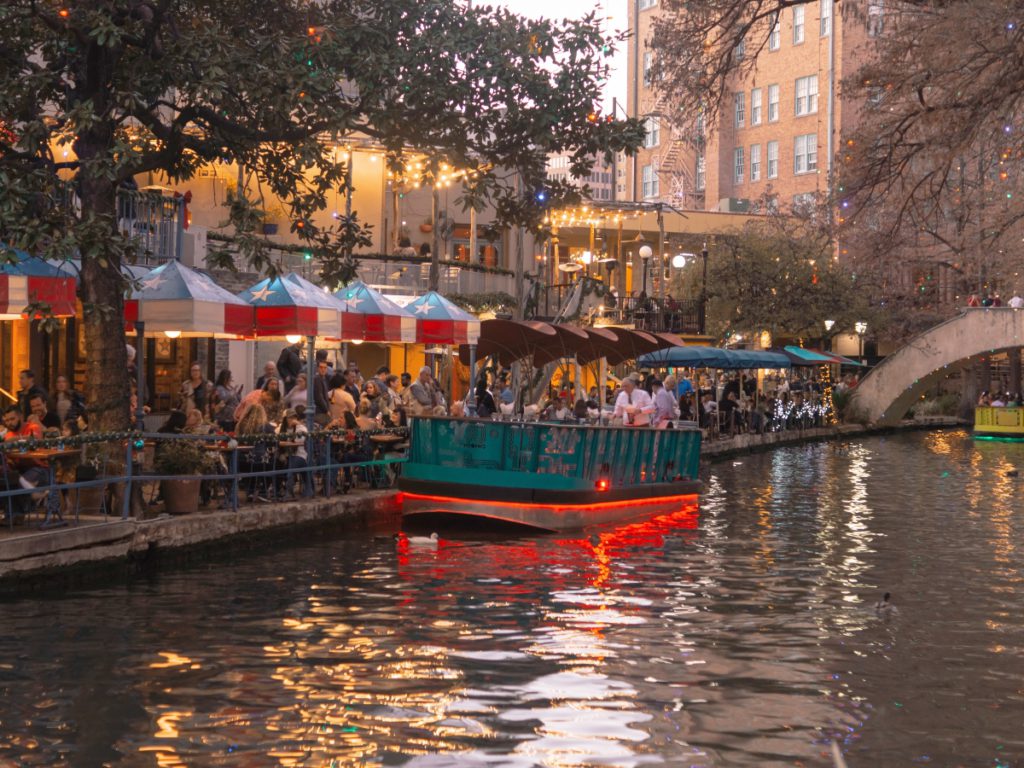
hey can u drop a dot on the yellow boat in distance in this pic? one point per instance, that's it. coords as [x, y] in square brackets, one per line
[999, 423]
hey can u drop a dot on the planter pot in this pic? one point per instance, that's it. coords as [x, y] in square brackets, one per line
[426, 227]
[269, 229]
[180, 496]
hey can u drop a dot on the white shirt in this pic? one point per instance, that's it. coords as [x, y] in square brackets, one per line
[638, 399]
[1016, 302]
[665, 407]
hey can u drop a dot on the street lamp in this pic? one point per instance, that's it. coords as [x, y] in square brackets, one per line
[645, 254]
[828, 330]
[860, 327]
[704, 292]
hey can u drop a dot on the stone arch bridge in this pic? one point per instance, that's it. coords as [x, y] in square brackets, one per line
[888, 391]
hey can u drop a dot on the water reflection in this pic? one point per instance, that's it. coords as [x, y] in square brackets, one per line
[740, 634]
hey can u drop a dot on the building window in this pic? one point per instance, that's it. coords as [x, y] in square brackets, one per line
[699, 124]
[806, 95]
[755, 106]
[805, 153]
[876, 18]
[653, 136]
[773, 160]
[740, 99]
[798, 24]
[737, 175]
[649, 181]
[755, 162]
[773, 103]
[645, 4]
[740, 50]
[701, 173]
[804, 202]
[825, 15]
[775, 36]
[648, 65]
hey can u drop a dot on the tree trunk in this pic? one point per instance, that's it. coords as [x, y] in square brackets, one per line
[101, 290]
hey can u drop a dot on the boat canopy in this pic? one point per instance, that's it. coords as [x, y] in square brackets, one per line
[801, 356]
[714, 357]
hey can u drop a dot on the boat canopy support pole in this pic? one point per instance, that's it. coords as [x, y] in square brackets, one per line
[471, 392]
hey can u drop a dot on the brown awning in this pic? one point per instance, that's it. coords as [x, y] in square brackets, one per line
[510, 340]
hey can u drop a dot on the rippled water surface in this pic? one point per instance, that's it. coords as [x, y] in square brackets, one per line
[742, 633]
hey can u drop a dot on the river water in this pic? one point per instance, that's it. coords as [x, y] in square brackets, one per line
[742, 633]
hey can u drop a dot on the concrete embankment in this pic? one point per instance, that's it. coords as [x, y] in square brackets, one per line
[28, 555]
[750, 443]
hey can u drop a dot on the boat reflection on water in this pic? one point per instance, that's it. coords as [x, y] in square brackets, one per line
[566, 687]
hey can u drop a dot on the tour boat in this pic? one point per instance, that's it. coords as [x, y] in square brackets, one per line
[551, 476]
[999, 423]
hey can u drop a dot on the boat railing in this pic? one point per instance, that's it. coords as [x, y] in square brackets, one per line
[999, 416]
[624, 456]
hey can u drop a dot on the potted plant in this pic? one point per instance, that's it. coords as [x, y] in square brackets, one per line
[427, 225]
[272, 215]
[180, 457]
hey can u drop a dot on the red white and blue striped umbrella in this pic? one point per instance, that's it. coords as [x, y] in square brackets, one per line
[438, 321]
[370, 316]
[290, 305]
[30, 280]
[175, 299]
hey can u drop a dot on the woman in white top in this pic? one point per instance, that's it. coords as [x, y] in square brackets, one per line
[297, 395]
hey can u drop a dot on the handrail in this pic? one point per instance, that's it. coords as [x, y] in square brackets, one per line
[318, 447]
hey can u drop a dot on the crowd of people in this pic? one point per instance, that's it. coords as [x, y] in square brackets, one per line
[1000, 399]
[733, 403]
[994, 300]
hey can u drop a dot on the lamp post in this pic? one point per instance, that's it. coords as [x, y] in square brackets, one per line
[861, 328]
[704, 292]
[826, 343]
[645, 254]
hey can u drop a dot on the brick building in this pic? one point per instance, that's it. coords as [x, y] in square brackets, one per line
[780, 127]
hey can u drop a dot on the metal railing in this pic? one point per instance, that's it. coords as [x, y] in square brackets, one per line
[570, 452]
[250, 463]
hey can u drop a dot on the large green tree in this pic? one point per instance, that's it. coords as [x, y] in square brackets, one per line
[94, 92]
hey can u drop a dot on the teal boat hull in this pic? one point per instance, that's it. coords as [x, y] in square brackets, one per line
[554, 477]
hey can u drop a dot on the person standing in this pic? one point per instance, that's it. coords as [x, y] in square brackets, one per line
[67, 403]
[195, 391]
[29, 389]
[321, 388]
[633, 405]
[226, 397]
[423, 394]
[666, 409]
[289, 364]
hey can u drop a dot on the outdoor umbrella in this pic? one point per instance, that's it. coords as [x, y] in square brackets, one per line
[370, 316]
[29, 280]
[180, 301]
[438, 321]
[290, 305]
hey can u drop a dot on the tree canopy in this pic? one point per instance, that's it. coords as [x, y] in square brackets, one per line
[94, 92]
[931, 169]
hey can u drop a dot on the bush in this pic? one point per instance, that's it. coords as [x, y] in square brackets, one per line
[180, 457]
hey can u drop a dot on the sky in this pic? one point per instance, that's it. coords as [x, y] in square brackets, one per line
[612, 10]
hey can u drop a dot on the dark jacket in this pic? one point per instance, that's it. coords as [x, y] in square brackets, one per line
[289, 365]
